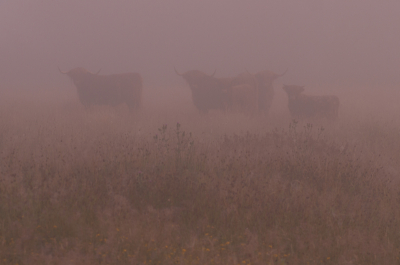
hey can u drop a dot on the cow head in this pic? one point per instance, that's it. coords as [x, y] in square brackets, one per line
[208, 92]
[264, 82]
[293, 91]
[78, 74]
[195, 77]
[266, 78]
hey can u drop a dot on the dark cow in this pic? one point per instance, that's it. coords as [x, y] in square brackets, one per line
[115, 89]
[305, 106]
[266, 93]
[208, 92]
[262, 88]
[244, 98]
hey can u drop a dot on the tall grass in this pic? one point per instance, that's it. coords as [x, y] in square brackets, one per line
[106, 187]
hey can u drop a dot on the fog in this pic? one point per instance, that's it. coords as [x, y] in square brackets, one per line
[320, 42]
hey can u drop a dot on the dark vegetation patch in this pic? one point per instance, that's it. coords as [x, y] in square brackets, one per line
[86, 195]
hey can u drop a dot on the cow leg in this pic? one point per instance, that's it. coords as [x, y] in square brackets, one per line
[132, 106]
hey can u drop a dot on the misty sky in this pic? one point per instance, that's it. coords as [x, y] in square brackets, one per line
[327, 41]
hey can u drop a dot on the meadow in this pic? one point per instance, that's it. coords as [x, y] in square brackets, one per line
[170, 186]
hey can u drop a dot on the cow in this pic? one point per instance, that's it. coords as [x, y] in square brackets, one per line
[244, 98]
[264, 80]
[115, 89]
[208, 92]
[304, 106]
[259, 91]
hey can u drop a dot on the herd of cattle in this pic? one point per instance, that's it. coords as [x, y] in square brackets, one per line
[246, 93]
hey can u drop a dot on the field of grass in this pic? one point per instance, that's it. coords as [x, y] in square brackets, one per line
[170, 186]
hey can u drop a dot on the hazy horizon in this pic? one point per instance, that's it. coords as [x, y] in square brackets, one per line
[338, 42]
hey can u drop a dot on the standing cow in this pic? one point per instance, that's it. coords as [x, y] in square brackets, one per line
[305, 106]
[266, 93]
[208, 92]
[244, 99]
[261, 94]
[115, 89]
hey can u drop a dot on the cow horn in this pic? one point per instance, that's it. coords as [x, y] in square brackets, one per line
[248, 71]
[95, 73]
[214, 73]
[61, 71]
[254, 78]
[177, 72]
[284, 72]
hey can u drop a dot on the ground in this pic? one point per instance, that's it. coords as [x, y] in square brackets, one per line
[168, 185]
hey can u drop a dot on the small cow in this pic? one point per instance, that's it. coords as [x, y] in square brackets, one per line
[305, 106]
